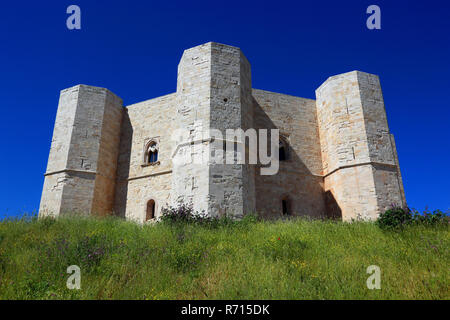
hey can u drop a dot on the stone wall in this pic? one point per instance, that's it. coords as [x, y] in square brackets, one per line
[359, 159]
[213, 92]
[231, 186]
[138, 183]
[342, 160]
[59, 151]
[299, 180]
[190, 180]
[81, 171]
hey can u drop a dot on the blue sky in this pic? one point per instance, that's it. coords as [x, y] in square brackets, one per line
[133, 48]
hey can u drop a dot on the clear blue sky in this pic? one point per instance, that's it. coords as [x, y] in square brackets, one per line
[133, 48]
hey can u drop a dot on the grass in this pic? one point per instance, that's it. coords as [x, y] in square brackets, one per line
[297, 259]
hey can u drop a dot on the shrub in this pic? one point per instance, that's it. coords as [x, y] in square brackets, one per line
[397, 217]
[430, 218]
[183, 213]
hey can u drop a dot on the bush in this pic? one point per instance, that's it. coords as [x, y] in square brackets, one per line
[430, 218]
[395, 217]
[398, 217]
[185, 213]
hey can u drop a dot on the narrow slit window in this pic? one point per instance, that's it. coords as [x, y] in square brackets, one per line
[285, 207]
[282, 153]
[150, 214]
[283, 150]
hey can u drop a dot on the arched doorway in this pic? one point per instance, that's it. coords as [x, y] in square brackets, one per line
[286, 207]
[151, 212]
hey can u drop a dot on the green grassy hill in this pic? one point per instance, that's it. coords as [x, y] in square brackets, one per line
[296, 259]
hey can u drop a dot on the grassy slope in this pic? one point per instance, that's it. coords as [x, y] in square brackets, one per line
[250, 260]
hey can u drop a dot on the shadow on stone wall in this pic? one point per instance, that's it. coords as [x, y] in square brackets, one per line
[294, 181]
[123, 168]
[333, 211]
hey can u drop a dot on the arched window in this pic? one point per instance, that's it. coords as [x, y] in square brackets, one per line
[286, 207]
[152, 153]
[150, 214]
[283, 150]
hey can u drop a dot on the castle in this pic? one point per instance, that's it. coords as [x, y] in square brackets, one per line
[338, 156]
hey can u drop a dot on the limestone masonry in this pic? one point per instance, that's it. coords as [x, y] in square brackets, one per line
[337, 156]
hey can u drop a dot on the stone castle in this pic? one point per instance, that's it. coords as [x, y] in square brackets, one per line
[337, 155]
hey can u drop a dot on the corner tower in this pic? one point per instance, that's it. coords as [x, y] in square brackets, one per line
[81, 170]
[360, 164]
[213, 93]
